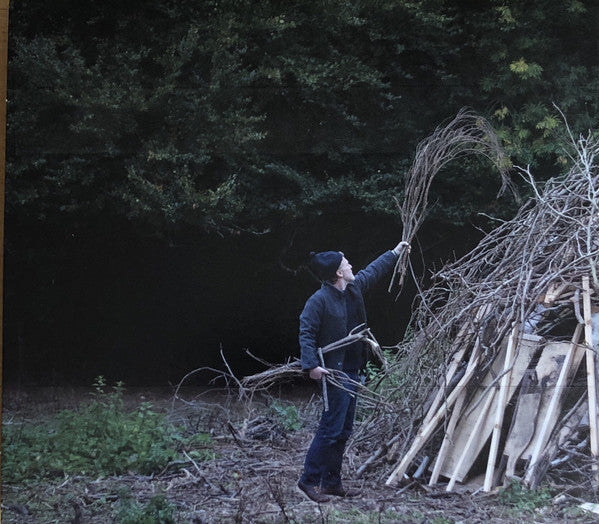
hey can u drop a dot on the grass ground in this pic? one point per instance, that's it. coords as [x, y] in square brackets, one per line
[249, 476]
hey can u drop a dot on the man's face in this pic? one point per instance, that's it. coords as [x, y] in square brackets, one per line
[345, 271]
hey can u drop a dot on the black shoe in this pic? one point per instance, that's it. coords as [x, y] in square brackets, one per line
[313, 492]
[340, 491]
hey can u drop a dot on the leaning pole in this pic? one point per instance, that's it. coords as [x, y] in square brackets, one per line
[3, 75]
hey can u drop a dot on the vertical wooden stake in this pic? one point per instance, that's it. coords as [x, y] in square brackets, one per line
[590, 363]
[499, 412]
[325, 391]
[560, 385]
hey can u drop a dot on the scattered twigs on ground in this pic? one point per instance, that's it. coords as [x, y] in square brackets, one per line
[274, 375]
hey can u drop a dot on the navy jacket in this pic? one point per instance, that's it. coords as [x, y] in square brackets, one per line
[330, 314]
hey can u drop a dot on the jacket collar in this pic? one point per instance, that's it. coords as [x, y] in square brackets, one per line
[335, 291]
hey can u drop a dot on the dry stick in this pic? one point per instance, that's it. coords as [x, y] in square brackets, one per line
[448, 438]
[323, 379]
[457, 359]
[426, 431]
[474, 435]
[590, 363]
[501, 402]
[380, 451]
[466, 134]
[545, 430]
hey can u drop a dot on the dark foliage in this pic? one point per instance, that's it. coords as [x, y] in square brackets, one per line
[178, 121]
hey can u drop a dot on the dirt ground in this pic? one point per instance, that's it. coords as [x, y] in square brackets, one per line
[253, 477]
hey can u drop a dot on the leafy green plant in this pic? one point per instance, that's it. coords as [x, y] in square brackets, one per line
[158, 510]
[287, 415]
[101, 438]
[521, 498]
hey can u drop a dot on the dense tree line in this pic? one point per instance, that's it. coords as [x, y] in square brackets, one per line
[182, 120]
[241, 114]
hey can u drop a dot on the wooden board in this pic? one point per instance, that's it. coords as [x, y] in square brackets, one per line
[462, 435]
[522, 427]
[548, 369]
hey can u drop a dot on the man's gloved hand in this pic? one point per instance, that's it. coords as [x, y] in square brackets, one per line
[402, 245]
[317, 372]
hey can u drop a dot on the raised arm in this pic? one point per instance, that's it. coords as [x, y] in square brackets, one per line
[379, 268]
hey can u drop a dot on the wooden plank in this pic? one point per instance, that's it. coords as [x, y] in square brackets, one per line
[548, 369]
[448, 438]
[435, 413]
[558, 358]
[425, 432]
[522, 429]
[459, 342]
[590, 362]
[500, 408]
[525, 351]
[483, 415]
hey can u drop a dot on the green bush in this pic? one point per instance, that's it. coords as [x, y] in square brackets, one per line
[101, 438]
[158, 510]
[521, 498]
[287, 415]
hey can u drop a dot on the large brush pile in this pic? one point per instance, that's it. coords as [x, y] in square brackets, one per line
[528, 282]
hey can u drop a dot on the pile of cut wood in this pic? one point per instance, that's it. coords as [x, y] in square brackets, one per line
[511, 327]
[520, 413]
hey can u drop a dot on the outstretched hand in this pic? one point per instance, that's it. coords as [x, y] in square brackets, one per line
[402, 245]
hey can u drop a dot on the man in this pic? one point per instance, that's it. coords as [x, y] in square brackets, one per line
[329, 315]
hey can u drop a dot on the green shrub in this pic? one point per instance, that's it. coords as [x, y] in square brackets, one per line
[158, 510]
[101, 438]
[287, 416]
[518, 496]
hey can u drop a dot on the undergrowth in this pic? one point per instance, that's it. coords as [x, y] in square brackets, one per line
[520, 498]
[101, 438]
[286, 415]
[158, 510]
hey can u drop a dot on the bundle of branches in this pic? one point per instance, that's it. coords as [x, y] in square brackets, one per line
[293, 370]
[474, 303]
[466, 134]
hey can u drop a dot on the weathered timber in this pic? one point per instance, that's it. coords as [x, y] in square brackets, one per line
[557, 357]
[527, 348]
[500, 407]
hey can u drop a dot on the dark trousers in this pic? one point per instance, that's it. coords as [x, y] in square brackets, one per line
[322, 466]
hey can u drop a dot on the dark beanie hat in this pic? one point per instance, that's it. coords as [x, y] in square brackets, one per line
[325, 264]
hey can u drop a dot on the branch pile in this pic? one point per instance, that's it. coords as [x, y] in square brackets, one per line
[524, 277]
